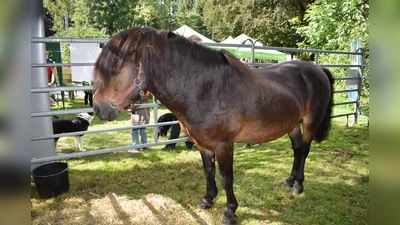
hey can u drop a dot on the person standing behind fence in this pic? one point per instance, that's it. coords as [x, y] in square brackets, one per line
[88, 95]
[139, 117]
[51, 79]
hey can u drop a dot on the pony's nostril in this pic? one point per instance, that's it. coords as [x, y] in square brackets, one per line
[96, 110]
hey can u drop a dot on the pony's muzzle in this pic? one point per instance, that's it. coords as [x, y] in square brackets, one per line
[104, 112]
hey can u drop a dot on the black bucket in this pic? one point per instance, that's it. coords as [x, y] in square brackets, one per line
[51, 179]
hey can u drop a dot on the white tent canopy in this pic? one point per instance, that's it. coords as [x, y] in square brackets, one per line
[187, 32]
[228, 40]
[244, 52]
[240, 52]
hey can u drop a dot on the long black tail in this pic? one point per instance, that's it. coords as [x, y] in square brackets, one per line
[324, 128]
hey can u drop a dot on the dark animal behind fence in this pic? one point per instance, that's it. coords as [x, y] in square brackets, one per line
[167, 117]
[217, 99]
[80, 123]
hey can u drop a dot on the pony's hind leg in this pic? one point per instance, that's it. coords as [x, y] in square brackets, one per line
[224, 153]
[301, 149]
[209, 170]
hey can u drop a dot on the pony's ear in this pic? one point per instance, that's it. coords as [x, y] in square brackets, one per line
[171, 35]
[167, 34]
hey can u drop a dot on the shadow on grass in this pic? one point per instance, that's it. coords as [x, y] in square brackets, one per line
[259, 195]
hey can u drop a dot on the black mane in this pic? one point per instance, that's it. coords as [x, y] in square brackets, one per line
[148, 46]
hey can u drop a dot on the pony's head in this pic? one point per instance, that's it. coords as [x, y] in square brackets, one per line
[119, 71]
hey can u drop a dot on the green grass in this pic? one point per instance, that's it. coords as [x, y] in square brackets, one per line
[336, 186]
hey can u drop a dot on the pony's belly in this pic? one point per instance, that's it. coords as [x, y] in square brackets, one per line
[255, 140]
[257, 136]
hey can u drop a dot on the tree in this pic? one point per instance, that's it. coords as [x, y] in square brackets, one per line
[268, 20]
[60, 11]
[118, 15]
[111, 15]
[333, 25]
[158, 14]
[77, 32]
[48, 23]
[190, 13]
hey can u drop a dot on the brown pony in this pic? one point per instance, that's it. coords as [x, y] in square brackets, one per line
[217, 99]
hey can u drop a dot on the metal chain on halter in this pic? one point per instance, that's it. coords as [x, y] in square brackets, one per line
[137, 80]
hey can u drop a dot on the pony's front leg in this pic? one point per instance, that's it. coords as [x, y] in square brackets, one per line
[208, 158]
[225, 162]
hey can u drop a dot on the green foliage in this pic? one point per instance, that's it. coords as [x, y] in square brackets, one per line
[78, 32]
[317, 24]
[268, 20]
[61, 11]
[109, 15]
[115, 16]
[156, 14]
[190, 13]
[333, 25]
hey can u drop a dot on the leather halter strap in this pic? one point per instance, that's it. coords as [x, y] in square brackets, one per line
[115, 103]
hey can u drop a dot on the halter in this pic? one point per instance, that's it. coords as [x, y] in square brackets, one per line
[115, 103]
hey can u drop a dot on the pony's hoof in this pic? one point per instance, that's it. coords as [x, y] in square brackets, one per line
[229, 219]
[296, 190]
[205, 205]
[287, 185]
